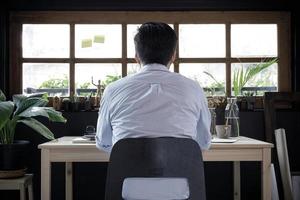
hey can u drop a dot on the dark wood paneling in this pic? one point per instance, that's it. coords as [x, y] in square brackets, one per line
[296, 50]
[3, 52]
[148, 5]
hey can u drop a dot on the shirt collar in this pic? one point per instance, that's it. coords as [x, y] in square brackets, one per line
[154, 67]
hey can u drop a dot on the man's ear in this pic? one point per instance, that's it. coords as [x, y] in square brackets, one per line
[173, 57]
[136, 58]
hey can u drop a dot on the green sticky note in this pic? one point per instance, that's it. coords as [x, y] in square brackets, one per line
[86, 43]
[99, 38]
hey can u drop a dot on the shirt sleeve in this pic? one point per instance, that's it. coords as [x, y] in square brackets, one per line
[203, 137]
[104, 128]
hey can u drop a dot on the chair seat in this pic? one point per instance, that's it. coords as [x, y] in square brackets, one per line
[155, 189]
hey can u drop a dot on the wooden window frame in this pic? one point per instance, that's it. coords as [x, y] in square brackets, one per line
[17, 19]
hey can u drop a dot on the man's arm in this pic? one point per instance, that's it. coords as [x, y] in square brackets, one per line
[104, 129]
[203, 125]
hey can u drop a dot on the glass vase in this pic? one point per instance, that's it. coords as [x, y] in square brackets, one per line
[213, 121]
[232, 117]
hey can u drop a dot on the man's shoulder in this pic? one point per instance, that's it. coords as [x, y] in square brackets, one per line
[172, 78]
[120, 83]
[187, 82]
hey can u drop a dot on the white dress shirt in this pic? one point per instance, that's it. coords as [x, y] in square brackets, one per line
[153, 103]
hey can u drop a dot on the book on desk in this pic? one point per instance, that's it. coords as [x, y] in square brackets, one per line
[84, 140]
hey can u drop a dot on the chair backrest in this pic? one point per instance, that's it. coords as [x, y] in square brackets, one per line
[156, 157]
[274, 101]
[283, 159]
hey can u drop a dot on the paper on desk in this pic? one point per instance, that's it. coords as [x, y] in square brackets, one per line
[222, 140]
[83, 140]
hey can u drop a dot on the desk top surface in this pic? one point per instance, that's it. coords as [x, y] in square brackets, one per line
[242, 142]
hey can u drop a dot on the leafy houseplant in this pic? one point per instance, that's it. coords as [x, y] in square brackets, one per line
[216, 85]
[74, 102]
[23, 109]
[241, 77]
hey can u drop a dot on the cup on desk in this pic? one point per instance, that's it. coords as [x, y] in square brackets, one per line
[90, 129]
[223, 131]
[90, 132]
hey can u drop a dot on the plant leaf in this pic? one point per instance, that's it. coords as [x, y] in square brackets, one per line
[17, 98]
[235, 82]
[26, 103]
[257, 68]
[50, 113]
[2, 96]
[43, 95]
[220, 85]
[240, 78]
[55, 116]
[38, 127]
[6, 110]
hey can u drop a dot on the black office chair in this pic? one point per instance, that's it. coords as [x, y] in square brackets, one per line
[163, 157]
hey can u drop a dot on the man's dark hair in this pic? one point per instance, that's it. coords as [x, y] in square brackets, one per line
[155, 42]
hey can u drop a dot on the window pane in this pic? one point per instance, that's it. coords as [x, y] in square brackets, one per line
[84, 72]
[98, 41]
[254, 40]
[46, 77]
[46, 41]
[131, 31]
[201, 40]
[211, 77]
[266, 80]
[133, 68]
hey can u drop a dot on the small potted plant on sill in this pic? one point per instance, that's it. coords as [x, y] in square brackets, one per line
[22, 109]
[218, 103]
[74, 102]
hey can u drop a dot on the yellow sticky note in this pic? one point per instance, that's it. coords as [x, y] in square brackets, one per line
[86, 43]
[99, 38]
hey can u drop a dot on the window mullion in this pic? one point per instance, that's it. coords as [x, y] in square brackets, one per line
[176, 62]
[202, 60]
[72, 58]
[228, 60]
[284, 55]
[124, 49]
[45, 60]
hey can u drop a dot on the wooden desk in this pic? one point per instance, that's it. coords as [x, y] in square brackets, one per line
[245, 149]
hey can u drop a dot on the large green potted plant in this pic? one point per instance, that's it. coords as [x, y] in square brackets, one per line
[22, 109]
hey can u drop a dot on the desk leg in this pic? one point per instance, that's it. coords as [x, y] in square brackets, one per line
[45, 175]
[236, 180]
[266, 174]
[69, 181]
